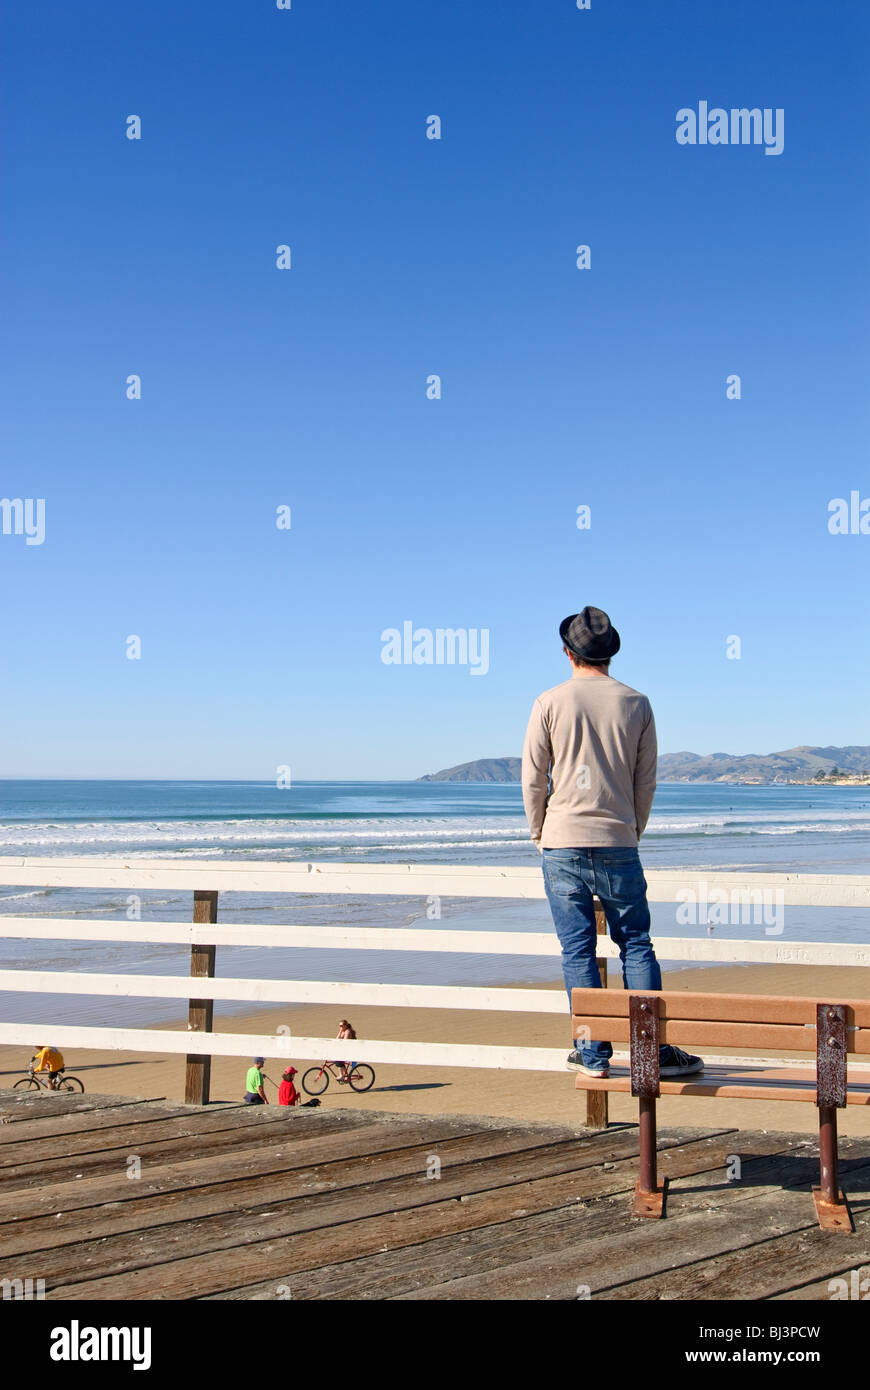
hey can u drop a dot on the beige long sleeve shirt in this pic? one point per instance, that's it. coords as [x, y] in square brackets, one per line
[589, 764]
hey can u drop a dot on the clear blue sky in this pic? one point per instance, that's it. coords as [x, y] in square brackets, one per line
[561, 387]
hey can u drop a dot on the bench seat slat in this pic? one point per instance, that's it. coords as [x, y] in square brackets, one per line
[735, 1008]
[739, 1036]
[733, 1082]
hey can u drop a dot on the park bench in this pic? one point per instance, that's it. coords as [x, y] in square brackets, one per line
[743, 1023]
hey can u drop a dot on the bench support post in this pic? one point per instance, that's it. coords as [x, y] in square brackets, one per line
[831, 1207]
[200, 1016]
[597, 1114]
[649, 1193]
[647, 1176]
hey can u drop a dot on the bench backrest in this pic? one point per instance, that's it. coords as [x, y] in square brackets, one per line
[739, 1021]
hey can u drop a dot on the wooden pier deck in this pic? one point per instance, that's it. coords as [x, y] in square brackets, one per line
[241, 1203]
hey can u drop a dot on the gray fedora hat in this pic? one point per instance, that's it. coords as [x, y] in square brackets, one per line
[590, 635]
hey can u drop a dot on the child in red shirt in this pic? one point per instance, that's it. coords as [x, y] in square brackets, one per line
[287, 1092]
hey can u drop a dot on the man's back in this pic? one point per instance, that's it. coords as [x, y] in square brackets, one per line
[48, 1059]
[596, 738]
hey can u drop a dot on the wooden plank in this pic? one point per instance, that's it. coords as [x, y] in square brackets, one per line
[409, 880]
[740, 1036]
[115, 1190]
[728, 1008]
[611, 1264]
[84, 1121]
[597, 1265]
[859, 1071]
[103, 1159]
[294, 935]
[664, 885]
[427, 1212]
[200, 1015]
[317, 1136]
[321, 1212]
[280, 1046]
[769, 1272]
[616, 1029]
[505, 1000]
[178, 1194]
[736, 1082]
[17, 1107]
[852, 1276]
[212, 1184]
[259, 1190]
[756, 951]
[106, 1252]
[212, 1138]
[125, 1134]
[404, 1266]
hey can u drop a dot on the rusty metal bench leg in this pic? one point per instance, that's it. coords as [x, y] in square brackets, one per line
[649, 1193]
[831, 1207]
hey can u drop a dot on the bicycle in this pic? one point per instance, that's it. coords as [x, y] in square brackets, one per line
[360, 1077]
[33, 1082]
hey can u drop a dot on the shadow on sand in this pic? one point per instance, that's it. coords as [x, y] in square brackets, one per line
[414, 1086]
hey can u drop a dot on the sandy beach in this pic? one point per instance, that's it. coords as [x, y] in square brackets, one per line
[527, 1096]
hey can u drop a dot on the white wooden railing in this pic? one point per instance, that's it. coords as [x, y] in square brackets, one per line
[207, 879]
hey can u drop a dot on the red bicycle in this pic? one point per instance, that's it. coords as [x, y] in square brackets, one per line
[360, 1077]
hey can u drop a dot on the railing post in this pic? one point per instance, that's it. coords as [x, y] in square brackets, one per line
[200, 1014]
[597, 1113]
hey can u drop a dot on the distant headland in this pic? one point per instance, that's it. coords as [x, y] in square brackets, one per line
[848, 766]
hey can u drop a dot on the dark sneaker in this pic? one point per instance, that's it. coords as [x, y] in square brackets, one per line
[674, 1062]
[575, 1062]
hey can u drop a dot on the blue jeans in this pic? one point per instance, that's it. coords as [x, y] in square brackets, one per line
[615, 876]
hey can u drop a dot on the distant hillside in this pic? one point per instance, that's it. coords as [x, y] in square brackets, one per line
[484, 770]
[803, 764]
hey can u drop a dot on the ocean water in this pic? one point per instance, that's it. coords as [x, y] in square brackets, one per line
[806, 829]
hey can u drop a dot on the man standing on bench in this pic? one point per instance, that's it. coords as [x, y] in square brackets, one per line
[589, 776]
